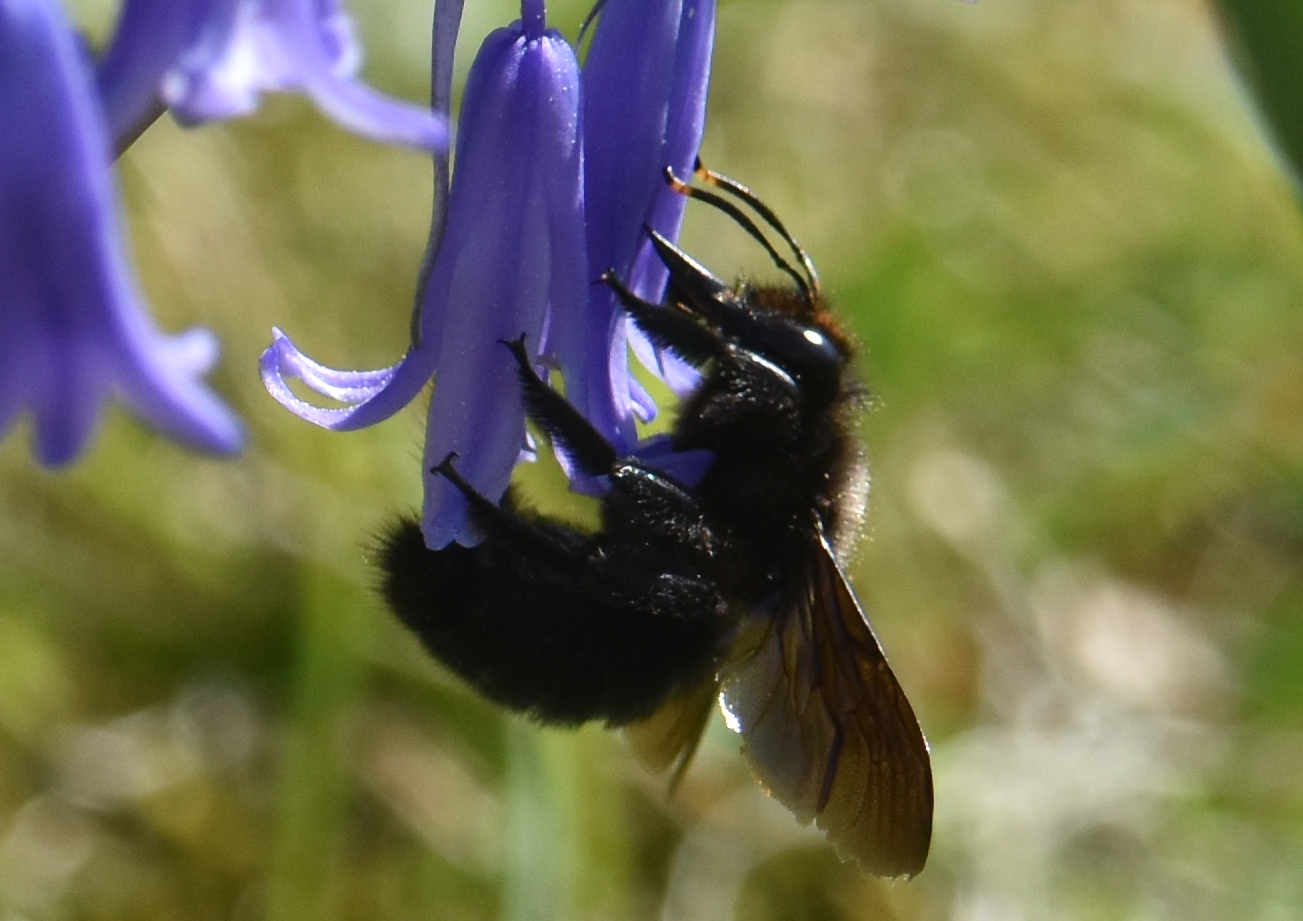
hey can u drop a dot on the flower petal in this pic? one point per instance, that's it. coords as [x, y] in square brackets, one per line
[686, 467]
[370, 396]
[151, 36]
[212, 59]
[645, 91]
[510, 258]
[513, 251]
[72, 329]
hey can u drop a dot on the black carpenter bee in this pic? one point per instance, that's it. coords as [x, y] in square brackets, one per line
[729, 589]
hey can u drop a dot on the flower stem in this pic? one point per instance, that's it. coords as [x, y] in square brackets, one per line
[533, 16]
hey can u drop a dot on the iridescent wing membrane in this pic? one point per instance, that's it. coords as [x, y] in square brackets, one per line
[828, 729]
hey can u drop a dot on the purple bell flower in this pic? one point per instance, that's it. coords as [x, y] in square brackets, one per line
[211, 59]
[645, 84]
[513, 249]
[523, 247]
[73, 330]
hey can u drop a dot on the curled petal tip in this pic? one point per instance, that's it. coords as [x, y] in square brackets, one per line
[368, 396]
[370, 114]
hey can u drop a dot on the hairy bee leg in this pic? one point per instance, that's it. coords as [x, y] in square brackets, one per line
[481, 505]
[499, 522]
[668, 327]
[639, 493]
[561, 421]
[654, 503]
[642, 498]
[643, 483]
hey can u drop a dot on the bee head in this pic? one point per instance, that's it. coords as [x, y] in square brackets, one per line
[814, 357]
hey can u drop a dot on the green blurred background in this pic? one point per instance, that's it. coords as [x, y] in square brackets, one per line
[1075, 265]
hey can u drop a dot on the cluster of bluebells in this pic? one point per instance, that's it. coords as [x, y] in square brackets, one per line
[558, 172]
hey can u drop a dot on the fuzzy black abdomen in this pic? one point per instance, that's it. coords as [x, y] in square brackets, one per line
[599, 634]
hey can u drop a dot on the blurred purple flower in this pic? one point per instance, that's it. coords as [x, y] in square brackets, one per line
[211, 59]
[522, 247]
[72, 328]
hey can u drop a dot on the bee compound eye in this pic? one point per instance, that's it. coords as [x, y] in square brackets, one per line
[801, 350]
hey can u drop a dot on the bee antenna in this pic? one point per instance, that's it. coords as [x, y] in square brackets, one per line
[732, 186]
[808, 288]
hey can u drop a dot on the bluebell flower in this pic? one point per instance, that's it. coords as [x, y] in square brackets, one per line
[73, 330]
[521, 251]
[212, 59]
[513, 246]
[645, 84]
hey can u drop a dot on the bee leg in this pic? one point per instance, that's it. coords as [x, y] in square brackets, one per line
[650, 507]
[501, 522]
[669, 327]
[481, 505]
[561, 421]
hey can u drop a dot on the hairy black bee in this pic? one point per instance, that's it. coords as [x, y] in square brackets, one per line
[727, 590]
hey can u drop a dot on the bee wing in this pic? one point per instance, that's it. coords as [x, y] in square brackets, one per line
[669, 737]
[827, 728]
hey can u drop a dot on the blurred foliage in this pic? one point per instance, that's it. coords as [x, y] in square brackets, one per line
[1075, 268]
[1267, 38]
